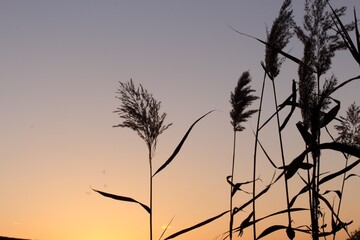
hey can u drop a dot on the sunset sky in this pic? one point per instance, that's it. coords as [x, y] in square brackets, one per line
[60, 67]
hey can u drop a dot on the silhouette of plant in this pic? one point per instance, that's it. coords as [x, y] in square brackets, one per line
[140, 112]
[240, 99]
[277, 39]
[349, 128]
[355, 235]
[320, 43]
[322, 35]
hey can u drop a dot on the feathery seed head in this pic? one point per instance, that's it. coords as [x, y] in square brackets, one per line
[278, 37]
[240, 99]
[140, 111]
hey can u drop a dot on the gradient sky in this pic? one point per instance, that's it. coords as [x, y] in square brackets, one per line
[60, 64]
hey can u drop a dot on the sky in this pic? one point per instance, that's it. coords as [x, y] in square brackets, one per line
[60, 67]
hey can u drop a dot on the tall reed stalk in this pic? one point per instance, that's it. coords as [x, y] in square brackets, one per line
[140, 111]
[240, 99]
[277, 39]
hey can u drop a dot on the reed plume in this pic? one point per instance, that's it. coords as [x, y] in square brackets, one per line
[278, 37]
[140, 111]
[349, 128]
[240, 99]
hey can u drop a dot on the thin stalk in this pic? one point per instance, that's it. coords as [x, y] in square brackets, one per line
[282, 151]
[317, 169]
[255, 155]
[309, 181]
[231, 189]
[315, 202]
[342, 192]
[151, 194]
[342, 184]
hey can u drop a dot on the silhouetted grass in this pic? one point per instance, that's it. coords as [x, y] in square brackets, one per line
[311, 95]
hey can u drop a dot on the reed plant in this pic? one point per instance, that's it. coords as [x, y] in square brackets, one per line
[140, 112]
[240, 100]
[315, 98]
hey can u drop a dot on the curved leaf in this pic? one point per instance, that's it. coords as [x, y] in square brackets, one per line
[308, 138]
[351, 175]
[294, 166]
[177, 149]
[329, 116]
[122, 198]
[271, 230]
[293, 106]
[196, 226]
[246, 223]
[292, 58]
[338, 192]
[336, 174]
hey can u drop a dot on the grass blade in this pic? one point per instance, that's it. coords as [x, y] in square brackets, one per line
[336, 174]
[167, 226]
[329, 116]
[177, 149]
[292, 58]
[247, 223]
[196, 226]
[293, 106]
[122, 198]
[308, 138]
[271, 230]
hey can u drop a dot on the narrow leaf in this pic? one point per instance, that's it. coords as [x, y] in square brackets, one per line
[336, 174]
[122, 198]
[196, 226]
[345, 82]
[288, 101]
[329, 116]
[351, 175]
[338, 192]
[271, 230]
[244, 224]
[308, 138]
[305, 166]
[177, 149]
[292, 58]
[345, 35]
[357, 35]
[294, 166]
[266, 154]
[167, 226]
[293, 106]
